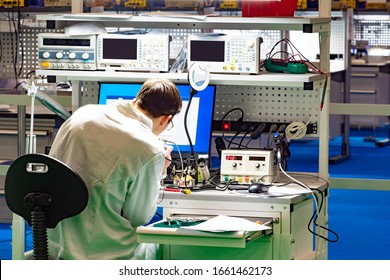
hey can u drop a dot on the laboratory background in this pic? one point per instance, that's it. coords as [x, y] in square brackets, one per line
[289, 128]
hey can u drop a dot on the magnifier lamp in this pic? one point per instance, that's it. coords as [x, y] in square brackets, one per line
[48, 102]
[198, 78]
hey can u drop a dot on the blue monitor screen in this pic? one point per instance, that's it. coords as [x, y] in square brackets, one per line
[199, 119]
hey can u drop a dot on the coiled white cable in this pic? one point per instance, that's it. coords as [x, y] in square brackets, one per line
[296, 130]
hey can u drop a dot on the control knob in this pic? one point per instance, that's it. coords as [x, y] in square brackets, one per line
[72, 55]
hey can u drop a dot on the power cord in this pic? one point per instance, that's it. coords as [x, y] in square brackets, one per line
[296, 130]
[240, 120]
[180, 156]
[318, 206]
[273, 128]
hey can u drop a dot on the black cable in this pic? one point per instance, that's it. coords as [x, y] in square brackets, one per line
[272, 129]
[247, 143]
[19, 41]
[231, 140]
[11, 39]
[313, 220]
[191, 159]
[15, 49]
[162, 197]
[223, 118]
[242, 139]
[158, 214]
[18, 84]
[314, 217]
[29, 73]
[192, 93]
[226, 186]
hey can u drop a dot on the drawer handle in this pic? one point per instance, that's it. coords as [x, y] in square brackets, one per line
[364, 75]
[363, 91]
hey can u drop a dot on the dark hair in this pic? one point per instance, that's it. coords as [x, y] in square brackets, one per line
[159, 97]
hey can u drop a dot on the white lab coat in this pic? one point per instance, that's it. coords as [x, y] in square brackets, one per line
[114, 150]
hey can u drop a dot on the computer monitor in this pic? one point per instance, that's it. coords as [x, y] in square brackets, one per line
[199, 119]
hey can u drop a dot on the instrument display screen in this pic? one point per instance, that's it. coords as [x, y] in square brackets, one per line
[119, 48]
[230, 157]
[66, 42]
[256, 158]
[208, 50]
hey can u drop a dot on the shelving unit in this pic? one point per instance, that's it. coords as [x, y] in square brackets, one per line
[273, 87]
[307, 81]
[164, 20]
[304, 82]
[311, 25]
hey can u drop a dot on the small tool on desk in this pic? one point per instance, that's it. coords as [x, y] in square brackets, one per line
[185, 191]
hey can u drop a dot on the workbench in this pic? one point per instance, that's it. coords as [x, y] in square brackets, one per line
[288, 216]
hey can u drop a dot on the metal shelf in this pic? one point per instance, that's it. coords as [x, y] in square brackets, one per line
[304, 24]
[309, 81]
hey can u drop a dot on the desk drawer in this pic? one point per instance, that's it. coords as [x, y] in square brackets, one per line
[260, 249]
[239, 239]
[155, 233]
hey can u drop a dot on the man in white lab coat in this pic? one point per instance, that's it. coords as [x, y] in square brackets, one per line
[116, 150]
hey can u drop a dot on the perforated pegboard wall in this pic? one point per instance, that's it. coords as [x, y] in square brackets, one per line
[89, 92]
[337, 36]
[268, 104]
[19, 51]
[179, 38]
[308, 43]
[376, 32]
[265, 104]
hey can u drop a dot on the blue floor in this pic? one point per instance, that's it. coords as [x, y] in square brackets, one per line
[366, 160]
[6, 239]
[360, 217]
[362, 221]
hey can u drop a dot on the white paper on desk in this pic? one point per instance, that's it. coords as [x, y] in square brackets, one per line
[225, 223]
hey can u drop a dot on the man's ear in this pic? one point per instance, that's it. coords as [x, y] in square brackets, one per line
[165, 119]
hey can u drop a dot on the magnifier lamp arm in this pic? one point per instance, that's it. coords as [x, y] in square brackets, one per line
[32, 91]
[47, 101]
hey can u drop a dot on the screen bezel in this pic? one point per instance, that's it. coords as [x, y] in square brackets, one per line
[203, 151]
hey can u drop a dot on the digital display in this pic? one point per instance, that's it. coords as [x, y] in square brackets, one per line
[120, 49]
[207, 51]
[66, 42]
[229, 157]
[199, 119]
[256, 158]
